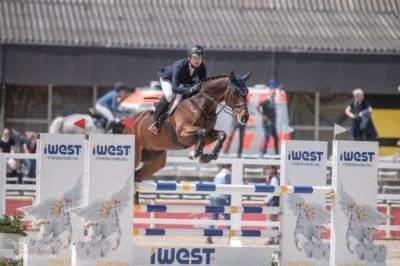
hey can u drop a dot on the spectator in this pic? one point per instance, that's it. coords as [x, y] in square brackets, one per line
[7, 145]
[236, 126]
[267, 110]
[272, 178]
[359, 110]
[223, 177]
[110, 102]
[29, 146]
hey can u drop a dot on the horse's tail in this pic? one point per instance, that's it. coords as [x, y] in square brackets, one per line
[56, 124]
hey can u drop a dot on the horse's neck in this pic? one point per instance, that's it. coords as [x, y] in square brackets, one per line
[216, 89]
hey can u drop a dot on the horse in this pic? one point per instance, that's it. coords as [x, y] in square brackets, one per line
[93, 123]
[191, 123]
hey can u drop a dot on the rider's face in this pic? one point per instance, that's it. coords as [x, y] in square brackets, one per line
[195, 61]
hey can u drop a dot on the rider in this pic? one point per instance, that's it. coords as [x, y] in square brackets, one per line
[110, 102]
[173, 78]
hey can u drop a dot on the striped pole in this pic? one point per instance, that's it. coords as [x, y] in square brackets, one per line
[229, 189]
[205, 209]
[204, 232]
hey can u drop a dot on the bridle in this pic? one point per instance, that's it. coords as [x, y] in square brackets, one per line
[224, 107]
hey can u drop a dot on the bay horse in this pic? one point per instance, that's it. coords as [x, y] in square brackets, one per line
[192, 123]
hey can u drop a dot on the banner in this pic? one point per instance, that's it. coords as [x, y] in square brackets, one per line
[59, 188]
[304, 216]
[234, 256]
[355, 216]
[106, 221]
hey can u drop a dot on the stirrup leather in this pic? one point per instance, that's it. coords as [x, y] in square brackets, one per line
[154, 127]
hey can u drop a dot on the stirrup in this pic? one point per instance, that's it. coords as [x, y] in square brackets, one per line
[154, 127]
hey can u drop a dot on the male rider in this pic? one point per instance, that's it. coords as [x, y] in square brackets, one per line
[174, 79]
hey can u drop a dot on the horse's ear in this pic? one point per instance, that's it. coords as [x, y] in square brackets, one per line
[232, 75]
[247, 76]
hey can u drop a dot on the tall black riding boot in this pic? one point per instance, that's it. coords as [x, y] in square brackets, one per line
[161, 108]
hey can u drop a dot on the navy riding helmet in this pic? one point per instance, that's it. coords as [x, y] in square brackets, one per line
[196, 50]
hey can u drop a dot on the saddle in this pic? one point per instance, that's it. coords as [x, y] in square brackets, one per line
[99, 120]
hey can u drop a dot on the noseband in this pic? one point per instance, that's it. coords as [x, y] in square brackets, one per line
[224, 107]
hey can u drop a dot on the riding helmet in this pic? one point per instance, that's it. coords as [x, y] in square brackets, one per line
[196, 50]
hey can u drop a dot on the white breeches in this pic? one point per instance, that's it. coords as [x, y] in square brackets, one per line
[105, 112]
[166, 87]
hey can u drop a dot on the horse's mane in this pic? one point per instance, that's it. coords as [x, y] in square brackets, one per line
[213, 78]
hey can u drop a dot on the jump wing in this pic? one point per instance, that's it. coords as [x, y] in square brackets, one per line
[123, 196]
[74, 196]
[91, 212]
[40, 211]
[345, 200]
[321, 215]
[372, 216]
[294, 202]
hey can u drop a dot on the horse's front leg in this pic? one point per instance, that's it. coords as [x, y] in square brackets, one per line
[214, 135]
[201, 141]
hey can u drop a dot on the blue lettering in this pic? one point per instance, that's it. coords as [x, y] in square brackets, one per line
[357, 156]
[111, 150]
[182, 256]
[208, 252]
[371, 155]
[152, 257]
[127, 148]
[78, 149]
[70, 149]
[101, 150]
[119, 150]
[347, 156]
[305, 155]
[166, 257]
[63, 149]
[296, 155]
[52, 149]
[196, 256]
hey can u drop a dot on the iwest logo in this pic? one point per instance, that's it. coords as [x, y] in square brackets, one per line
[113, 150]
[357, 156]
[62, 149]
[305, 156]
[170, 256]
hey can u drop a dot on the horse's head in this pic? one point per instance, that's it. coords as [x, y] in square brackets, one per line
[236, 96]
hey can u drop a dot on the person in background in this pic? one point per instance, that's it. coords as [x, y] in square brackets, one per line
[272, 179]
[29, 146]
[359, 110]
[223, 177]
[236, 126]
[7, 145]
[174, 78]
[110, 102]
[267, 110]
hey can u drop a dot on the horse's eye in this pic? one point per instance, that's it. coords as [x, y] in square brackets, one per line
[244, 91]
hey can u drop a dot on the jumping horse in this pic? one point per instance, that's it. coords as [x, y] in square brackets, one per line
[192, 123]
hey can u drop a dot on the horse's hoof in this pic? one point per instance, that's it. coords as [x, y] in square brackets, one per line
[205, 158]
[191, 155]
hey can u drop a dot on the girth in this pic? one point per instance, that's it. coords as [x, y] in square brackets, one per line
[172, 135]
